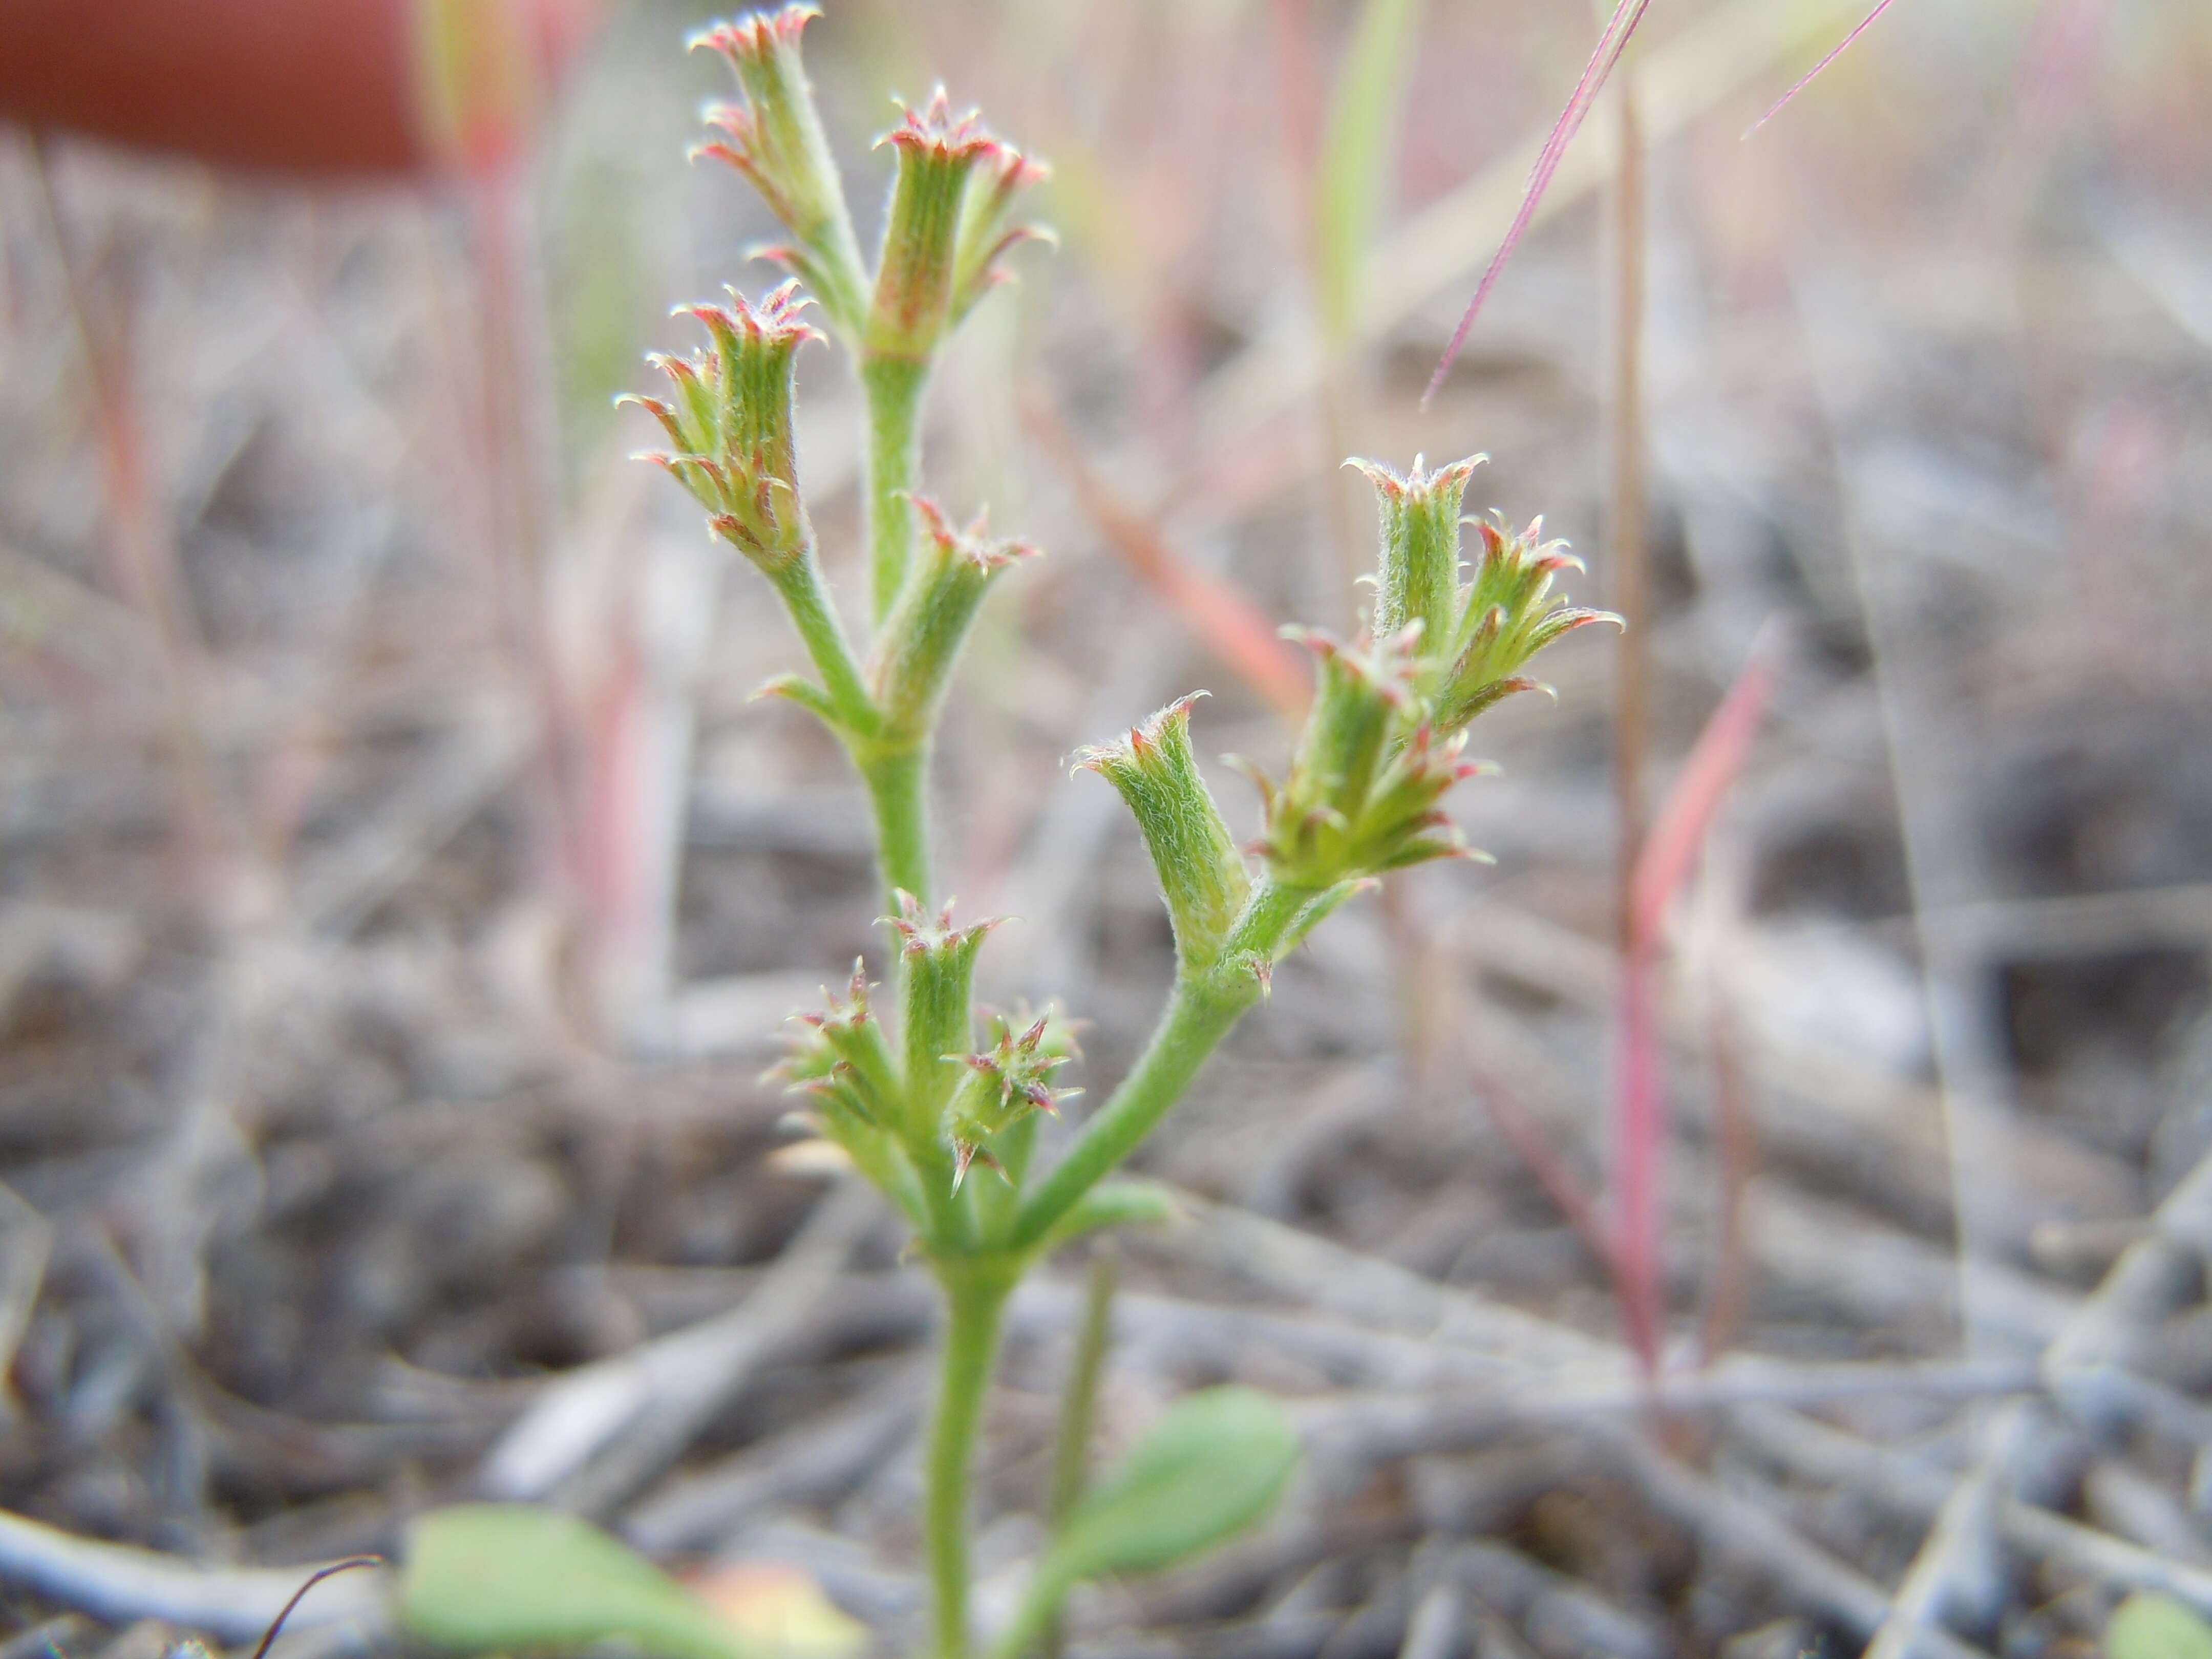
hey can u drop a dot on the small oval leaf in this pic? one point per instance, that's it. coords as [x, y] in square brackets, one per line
[1213, 1466]
[2149, 1625]
[507, 1577]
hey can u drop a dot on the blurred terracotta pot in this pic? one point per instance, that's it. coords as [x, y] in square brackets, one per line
[303, 86]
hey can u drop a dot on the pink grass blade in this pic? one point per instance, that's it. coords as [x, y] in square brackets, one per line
[1610, 44]
[1670, 851]
[1813, 73]
[1640, 1103]
[1560, 1183]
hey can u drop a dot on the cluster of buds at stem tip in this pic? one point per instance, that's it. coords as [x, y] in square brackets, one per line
[937, 974]
[1388, 731]
[944, 583]
[1385, 738]
[1009, 1081]
[936, 1095]
[729, 421]
[842, 1060]
[947, 229]
[1468, 639]
[774, 139]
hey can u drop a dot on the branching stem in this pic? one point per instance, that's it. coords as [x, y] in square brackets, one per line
[894, 387]
[1200, 1012]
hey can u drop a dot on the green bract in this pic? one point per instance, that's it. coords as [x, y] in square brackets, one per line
[1200, 871]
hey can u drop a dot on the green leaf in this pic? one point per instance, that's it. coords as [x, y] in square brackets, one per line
[1112, 1204]
[507, 1577]
[1213, 1466]
[2150, 1625]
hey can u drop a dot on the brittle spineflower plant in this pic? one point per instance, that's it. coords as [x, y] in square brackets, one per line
[942, 1117]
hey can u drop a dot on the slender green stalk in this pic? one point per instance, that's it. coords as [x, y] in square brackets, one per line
[975, 1294]
[1071, 1460]
[800, 584]
[898, 789]
[1200, 1012]
[894, 387]
[1078, 1409]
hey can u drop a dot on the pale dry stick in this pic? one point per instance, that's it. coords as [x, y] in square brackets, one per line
[1814, 1451]
[822, 1457]
[2166, 261]
[1560, 1613]
[1378, 1294]
[146, 556]
[1356, 1430]
[26, 1245]
[1731, 1525]
[599, 1434]
[117, 1583]
[2082, 923]
[1626, 554]
[1940, 863]
[1840, 1254]
[1885, 1276]
[1433, 1631]
[1943, 865]
[46, 611]
[2136, 1290]
[336, 889]
[2123, 1501]
[1852, 1102]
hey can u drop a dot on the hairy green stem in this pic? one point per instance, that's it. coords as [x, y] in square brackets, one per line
[898, 790]
[799, 583]
[1200, 1012]
[894, 387]
[974, 1293]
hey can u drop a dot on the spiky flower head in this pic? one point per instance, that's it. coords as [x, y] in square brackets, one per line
[946, 227]
[937, 971]
[946, 580]
[840, 1057]
[1509, 613]
[1009, 1079]
[775, 138]
[985, 233]
[1314, 819]
[1418, 578]
[1202, 876]
[729, 421]
[1469, 641]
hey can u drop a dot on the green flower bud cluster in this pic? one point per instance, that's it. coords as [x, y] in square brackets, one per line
[950, 223]
[1384, 740]
[774, 139]
[993, 1115]
[729, 419]
[917, 1113]
[947, 226]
